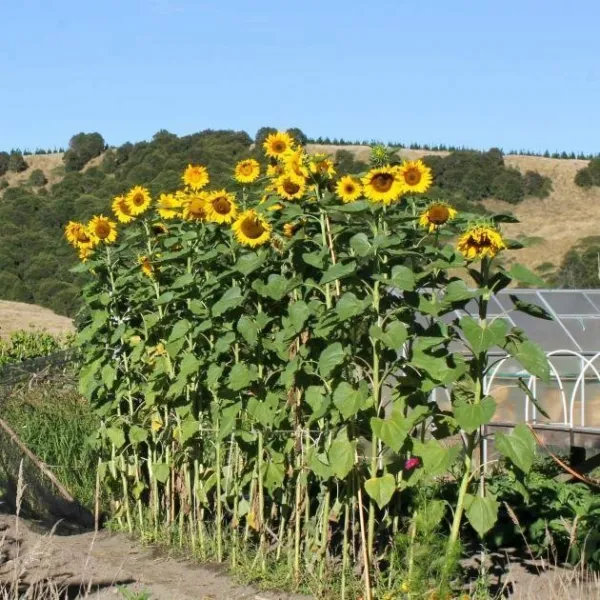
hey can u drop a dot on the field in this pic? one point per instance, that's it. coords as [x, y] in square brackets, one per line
[18, 316]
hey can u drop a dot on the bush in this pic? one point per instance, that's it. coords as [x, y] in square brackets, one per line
[37, 178]
[590, 175]
[4, 184]
[508, 186]
[16, 162]
[261, 135]
[82, 148]
[346, 164]
[298, 135]
[4, 160]
[537, 185]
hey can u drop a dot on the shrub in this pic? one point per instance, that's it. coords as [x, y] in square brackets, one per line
[298, 136]
[590, 175]
[4, 184]
[4, 161]
[508, 186]
[16, 162]
[537, 185]
[345, 163]
[82, 148]
[37, 178]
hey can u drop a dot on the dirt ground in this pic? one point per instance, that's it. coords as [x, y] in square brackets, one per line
[15, 316]
[97, 564]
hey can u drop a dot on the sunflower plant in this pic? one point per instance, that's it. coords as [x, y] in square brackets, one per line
[263, 359]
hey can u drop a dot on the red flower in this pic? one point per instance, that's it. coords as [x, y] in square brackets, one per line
[411, 463]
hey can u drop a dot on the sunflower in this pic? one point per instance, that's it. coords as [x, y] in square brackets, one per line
[415, 176]
[146, 266]
[296, 162]
[103, 229]
[382, 184]
[275, 170]
[79, 236]
[138, 200]
[348, 189]
[85, 253]
[436, 215]
[251, 229]
[288, 229]
[169, 206]
[159, 228]
[321, 164]
[277, 144]
[247, 171]
[194, 207]
[195, 177]
[480, 241]
[221, 207]
[122, 210]
[290, 187]
[272, 207]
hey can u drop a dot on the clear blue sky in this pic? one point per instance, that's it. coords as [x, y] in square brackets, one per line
[480, 73]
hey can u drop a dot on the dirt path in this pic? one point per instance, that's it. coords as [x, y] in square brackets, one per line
[100, 563]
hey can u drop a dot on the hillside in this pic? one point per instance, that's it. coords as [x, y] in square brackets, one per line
[16, 316]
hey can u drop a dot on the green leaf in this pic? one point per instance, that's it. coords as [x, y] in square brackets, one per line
[299, 312]
[240, 377]
[381, 489]
[436, 458]
[403, 278]
[531, 357]
[319, 464]
[161, 471]
[529, 308]
[183, 281]
[351, 207]
[165, 298]
[247, 263]
[348, 400]
[248, 329]
[189, 365]
[349, 306]
[518, 447]
[395, 335]
[314, 259]
[230, 299]
[360, 244]
[481, 338]
[213, 374]
[338, 271]
[458, 291]
[197, 307]
[137, 434]
[471, 416]
[525, 388]
[392, 430]
[116, 436]
[108, 375]
[273, 474]
[262, 410]
[330, 358]
[481, 512]
[522, 274]
[180, 329]
[341, 455]
[317, 400]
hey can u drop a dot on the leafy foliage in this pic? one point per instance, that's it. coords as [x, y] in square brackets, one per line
[82, 148]
[589, 176]
[23, 345]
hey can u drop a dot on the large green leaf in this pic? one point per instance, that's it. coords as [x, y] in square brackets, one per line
[230, 299]
[249, 329]
[458, 291]
[180, 329]
[319, 464]
[360, 244]
[436, 458]
[317, 400]
[116, 436]
[137, 434]
[481, 337]
[183, 281]
[330, 358]
[338, 271]
[299, 313]
[471, 416]
[341, 455]
[518, 447]
[247, 263]
[522, 274]
[403, 278]
[273, 474]
[349, 306]
[381, 489]
[531, 357]
[349, 400]
[393, 430]
[161, 471]
[481, 512]
[241, 376]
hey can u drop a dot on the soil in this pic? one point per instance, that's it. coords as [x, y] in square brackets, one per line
[99, 563]
[15, 316]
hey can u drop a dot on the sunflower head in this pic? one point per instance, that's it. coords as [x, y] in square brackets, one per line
[275, 170]
[121, 210]
[247, 171]
[221, 207]
[480, 241]
[382, 184]
[159, 228]
[194, 207]
[290, 186]
[277, 144]
[297, 163]
[348, 189]
[138, 200]
[79, 236]
[415, 176]
[380, 155]
[103, 229]
[196, 177]
[288, 229]
[169, 206]
[322, 165]
[85, 254]
[251, 229]
[146, 266]
[436, 215]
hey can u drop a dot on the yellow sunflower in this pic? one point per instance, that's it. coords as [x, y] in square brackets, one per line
[382, 185]
[290, 187]
[415, 176]
[194, 207]
[436, 215]
[288, 229]
[251, 229]
[348, 189]
[275, 170]
[103, 228]
[85, 253]
[277, 144]
[221, 207]
[138, 200]
[79, 236]
[195, 177]
[146, 266]
[168, 206]
[296, 162]
[480, 241]
[159, 228]
[321, 164]
[247, 171]
[122, 210]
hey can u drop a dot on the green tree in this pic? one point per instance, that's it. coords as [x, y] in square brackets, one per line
[16, 162]
[4, 161]
[37, 178]
[82, 148]
[508, 186]
[537, 185]
[298, 135]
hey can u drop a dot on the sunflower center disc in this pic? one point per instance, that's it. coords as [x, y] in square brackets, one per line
[222, 205]
[291, 188]
[438, 215]
[252, 229]
[197, 208]
[246, 169]
[102, 230]
[382, 182]
[138, 199]
[279, 147]
[412, 176]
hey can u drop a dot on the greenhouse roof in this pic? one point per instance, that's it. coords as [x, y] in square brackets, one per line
[575, 324]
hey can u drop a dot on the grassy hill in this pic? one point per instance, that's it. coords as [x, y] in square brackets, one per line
[35, 262]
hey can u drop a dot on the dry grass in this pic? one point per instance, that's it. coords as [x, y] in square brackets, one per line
[50, 164]
[16, 316]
